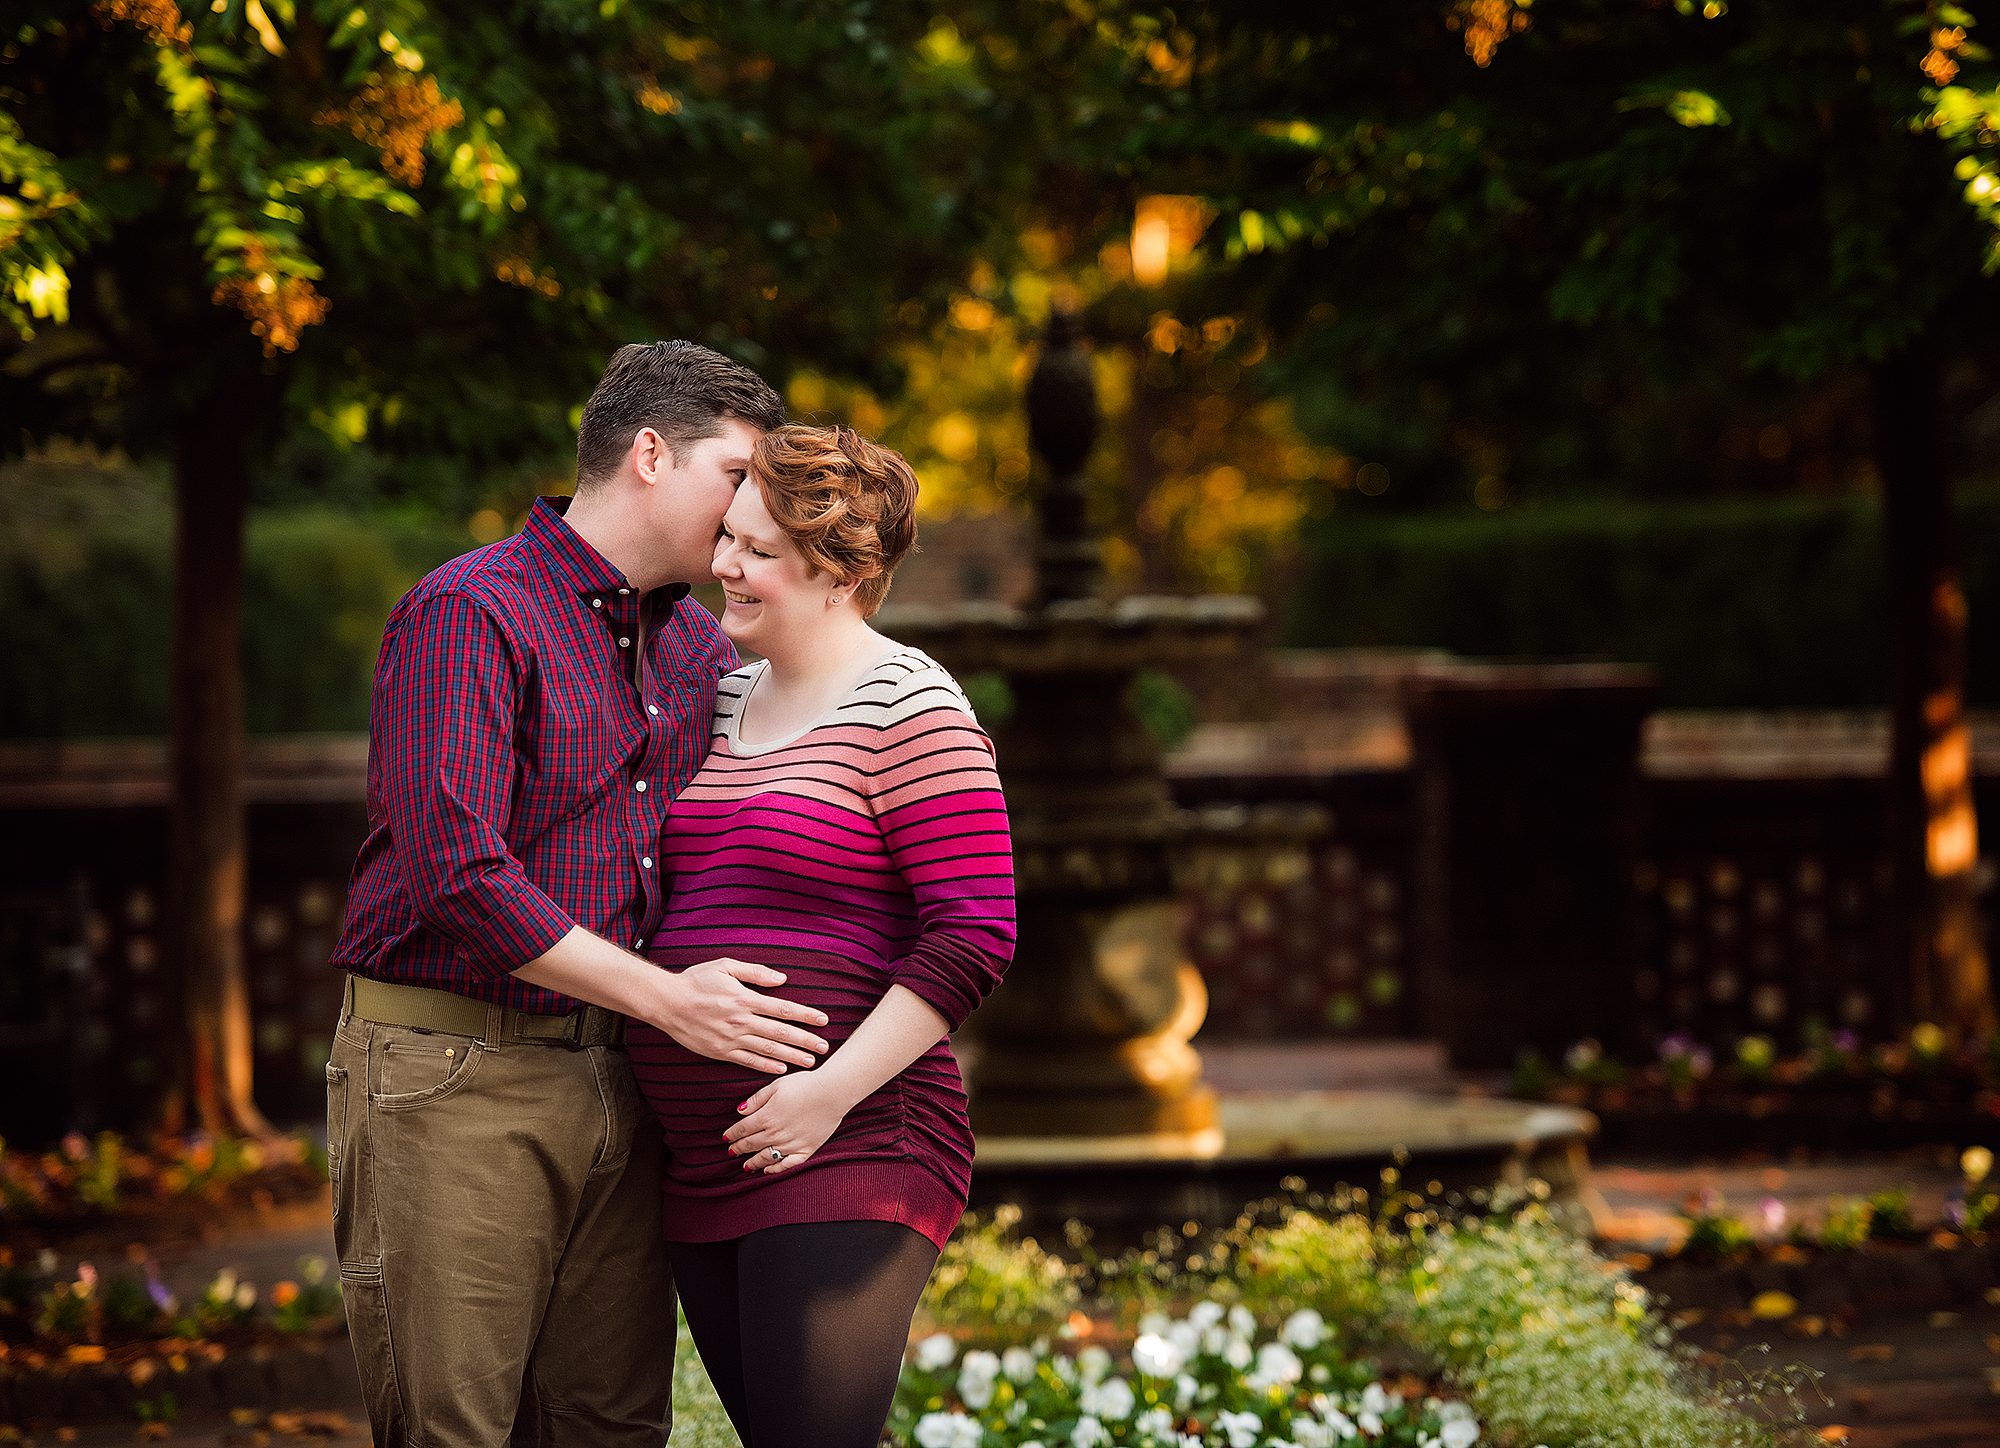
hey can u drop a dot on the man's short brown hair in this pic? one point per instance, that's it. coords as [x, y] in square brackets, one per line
[681, 390]
[848, 505]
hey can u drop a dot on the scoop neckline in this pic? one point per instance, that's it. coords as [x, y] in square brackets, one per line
[763, 666]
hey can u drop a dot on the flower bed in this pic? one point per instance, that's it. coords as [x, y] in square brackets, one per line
[106, 1181]
[1289, 1326]
[1836, 1094]
[1307, 1322]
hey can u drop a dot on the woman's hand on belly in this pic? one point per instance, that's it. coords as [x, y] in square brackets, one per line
[793, 1116]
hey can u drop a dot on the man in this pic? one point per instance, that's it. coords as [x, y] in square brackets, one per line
[495, 1171]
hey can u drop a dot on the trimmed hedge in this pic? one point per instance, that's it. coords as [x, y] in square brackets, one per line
[85, 576]
[1739, 604]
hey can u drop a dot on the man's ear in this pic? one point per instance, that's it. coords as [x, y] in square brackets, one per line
[650, 456]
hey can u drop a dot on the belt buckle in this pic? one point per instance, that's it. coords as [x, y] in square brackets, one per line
[573, 1037]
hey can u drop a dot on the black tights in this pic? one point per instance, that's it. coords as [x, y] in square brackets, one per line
[802, 1328]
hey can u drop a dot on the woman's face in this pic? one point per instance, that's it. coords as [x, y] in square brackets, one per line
[772, 596]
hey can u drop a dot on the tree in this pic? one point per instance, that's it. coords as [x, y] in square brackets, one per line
[1473, 224]
[425, 226]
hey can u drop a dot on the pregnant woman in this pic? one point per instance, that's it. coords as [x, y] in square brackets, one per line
[848, 830]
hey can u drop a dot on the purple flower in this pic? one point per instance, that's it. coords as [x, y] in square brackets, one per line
[157, 1290]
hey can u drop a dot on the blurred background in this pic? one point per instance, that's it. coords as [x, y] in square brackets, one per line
[1487, 344]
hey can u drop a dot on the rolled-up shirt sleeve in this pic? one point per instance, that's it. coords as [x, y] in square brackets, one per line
[937, 800]
[443, 731]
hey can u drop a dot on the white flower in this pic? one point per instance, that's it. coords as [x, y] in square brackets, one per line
[1236, 1352]
[1377, 1399]
[1089, 1433]
[1113, 1399]
[1241, 1322]
[1184, 1391]
[946, 1430]
[1154, 1322]
[1339, 1424]
[1093, 1363]
[1311, 1433]
[936, 1351]
[1458, 1433]
[1304, 1329]
[1277, 1366]
[977, 1375]
[1065, 1369]
[1157, 1357]
[1185, 1337]
[1154, 1423]
[1452, 1411]
[1369, 1423]
[1241, 1429]
[1205, 1315]
[1019, 1366]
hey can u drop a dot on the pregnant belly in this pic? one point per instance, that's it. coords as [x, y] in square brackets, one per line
[695, 1097]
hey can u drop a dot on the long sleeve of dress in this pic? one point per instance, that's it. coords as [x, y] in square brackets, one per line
[936, 797]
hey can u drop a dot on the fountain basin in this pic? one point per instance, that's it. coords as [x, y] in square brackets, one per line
[1311, 1140]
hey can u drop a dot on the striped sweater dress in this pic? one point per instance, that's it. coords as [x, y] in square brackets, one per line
[869, 849]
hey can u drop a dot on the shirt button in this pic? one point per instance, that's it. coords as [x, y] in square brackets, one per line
[597, 603]
[652, 708]
[640, 786]
[646, 863]
[623, 591]
[624, 643]
[640, 943]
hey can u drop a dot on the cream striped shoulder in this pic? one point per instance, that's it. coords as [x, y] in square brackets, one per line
[906, 685]
[730, 690]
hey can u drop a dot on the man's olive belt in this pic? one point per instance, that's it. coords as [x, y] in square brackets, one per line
[441, 1010]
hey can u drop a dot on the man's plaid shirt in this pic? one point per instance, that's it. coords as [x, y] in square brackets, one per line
[517, 778]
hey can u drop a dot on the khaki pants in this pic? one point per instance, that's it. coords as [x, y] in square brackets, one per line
[496, 1213]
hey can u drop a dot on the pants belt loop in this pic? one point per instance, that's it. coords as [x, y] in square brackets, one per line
[496, 1023]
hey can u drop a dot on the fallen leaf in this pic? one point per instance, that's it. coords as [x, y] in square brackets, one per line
[1872, 1352]
[1768, 1305]
[1811, 1326]
[153, 1431]
[1834, 1433]
[84, 1352]
[1944, 1319]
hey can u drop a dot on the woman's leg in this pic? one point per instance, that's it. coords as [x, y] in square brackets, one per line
[826, 1309]
[705, 1275]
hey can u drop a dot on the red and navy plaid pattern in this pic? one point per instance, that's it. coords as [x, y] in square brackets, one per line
[517, 779]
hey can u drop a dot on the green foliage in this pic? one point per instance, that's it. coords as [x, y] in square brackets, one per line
[1714, 1232]
[1744, 603]
[1554, 1345]
[84, 584]
[434, 222]
[1500, 250]
[1165, 706]
[992, 1282]
[1850, 1221]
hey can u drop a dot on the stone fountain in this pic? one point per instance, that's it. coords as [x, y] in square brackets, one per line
[1087, 1094]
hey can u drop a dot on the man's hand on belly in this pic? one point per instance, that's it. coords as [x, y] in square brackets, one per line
[712, 1009]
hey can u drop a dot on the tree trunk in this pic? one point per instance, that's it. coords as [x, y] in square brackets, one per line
[1934, 928]
[210, 1082]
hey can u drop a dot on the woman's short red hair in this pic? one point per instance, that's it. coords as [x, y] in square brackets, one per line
[848, 504]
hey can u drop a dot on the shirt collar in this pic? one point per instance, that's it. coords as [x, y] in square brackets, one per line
[563, 550]
[573, 561]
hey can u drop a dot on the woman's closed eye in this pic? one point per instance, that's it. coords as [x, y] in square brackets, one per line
[752, 548]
